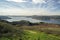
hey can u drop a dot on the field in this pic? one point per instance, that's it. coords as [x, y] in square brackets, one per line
[42, 32]
[25, 31]
[35, 35]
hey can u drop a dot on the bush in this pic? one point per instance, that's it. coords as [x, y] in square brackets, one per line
[42, 23]
[8, 30]
[21, 23]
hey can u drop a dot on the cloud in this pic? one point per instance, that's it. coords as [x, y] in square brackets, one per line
[17, 0]
[15, 11]
[34, 1]
[38, 1]
[30, 7]
[59, 1]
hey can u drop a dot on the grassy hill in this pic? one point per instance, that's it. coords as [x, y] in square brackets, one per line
[36, 35]
[29, 31]
[9, 32]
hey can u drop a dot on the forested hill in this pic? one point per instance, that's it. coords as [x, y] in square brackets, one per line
[34, 17]
[44, 17]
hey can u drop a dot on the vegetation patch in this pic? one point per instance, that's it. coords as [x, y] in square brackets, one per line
[38, 36]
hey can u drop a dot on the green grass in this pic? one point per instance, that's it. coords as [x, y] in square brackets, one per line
[5, 38]
[35, 35]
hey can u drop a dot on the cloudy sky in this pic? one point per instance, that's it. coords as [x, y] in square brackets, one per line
[29, 7]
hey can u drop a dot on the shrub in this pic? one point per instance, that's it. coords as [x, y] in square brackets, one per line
[8, 30]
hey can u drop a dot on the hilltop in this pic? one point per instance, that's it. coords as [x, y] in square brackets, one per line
[25, 30]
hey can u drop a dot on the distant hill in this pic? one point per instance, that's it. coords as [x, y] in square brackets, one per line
[4, 17]
[44, 17]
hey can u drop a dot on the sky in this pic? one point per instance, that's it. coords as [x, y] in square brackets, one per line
[29, 7]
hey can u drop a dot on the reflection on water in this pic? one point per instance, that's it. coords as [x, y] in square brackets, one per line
[32, 20]
[22, 18]
[52, 21]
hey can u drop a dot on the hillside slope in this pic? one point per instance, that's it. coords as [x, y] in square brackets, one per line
[35, 35]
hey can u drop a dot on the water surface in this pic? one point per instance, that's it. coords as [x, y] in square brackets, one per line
[32, 20]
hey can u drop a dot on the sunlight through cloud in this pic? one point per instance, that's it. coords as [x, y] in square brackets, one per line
[17, 0]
